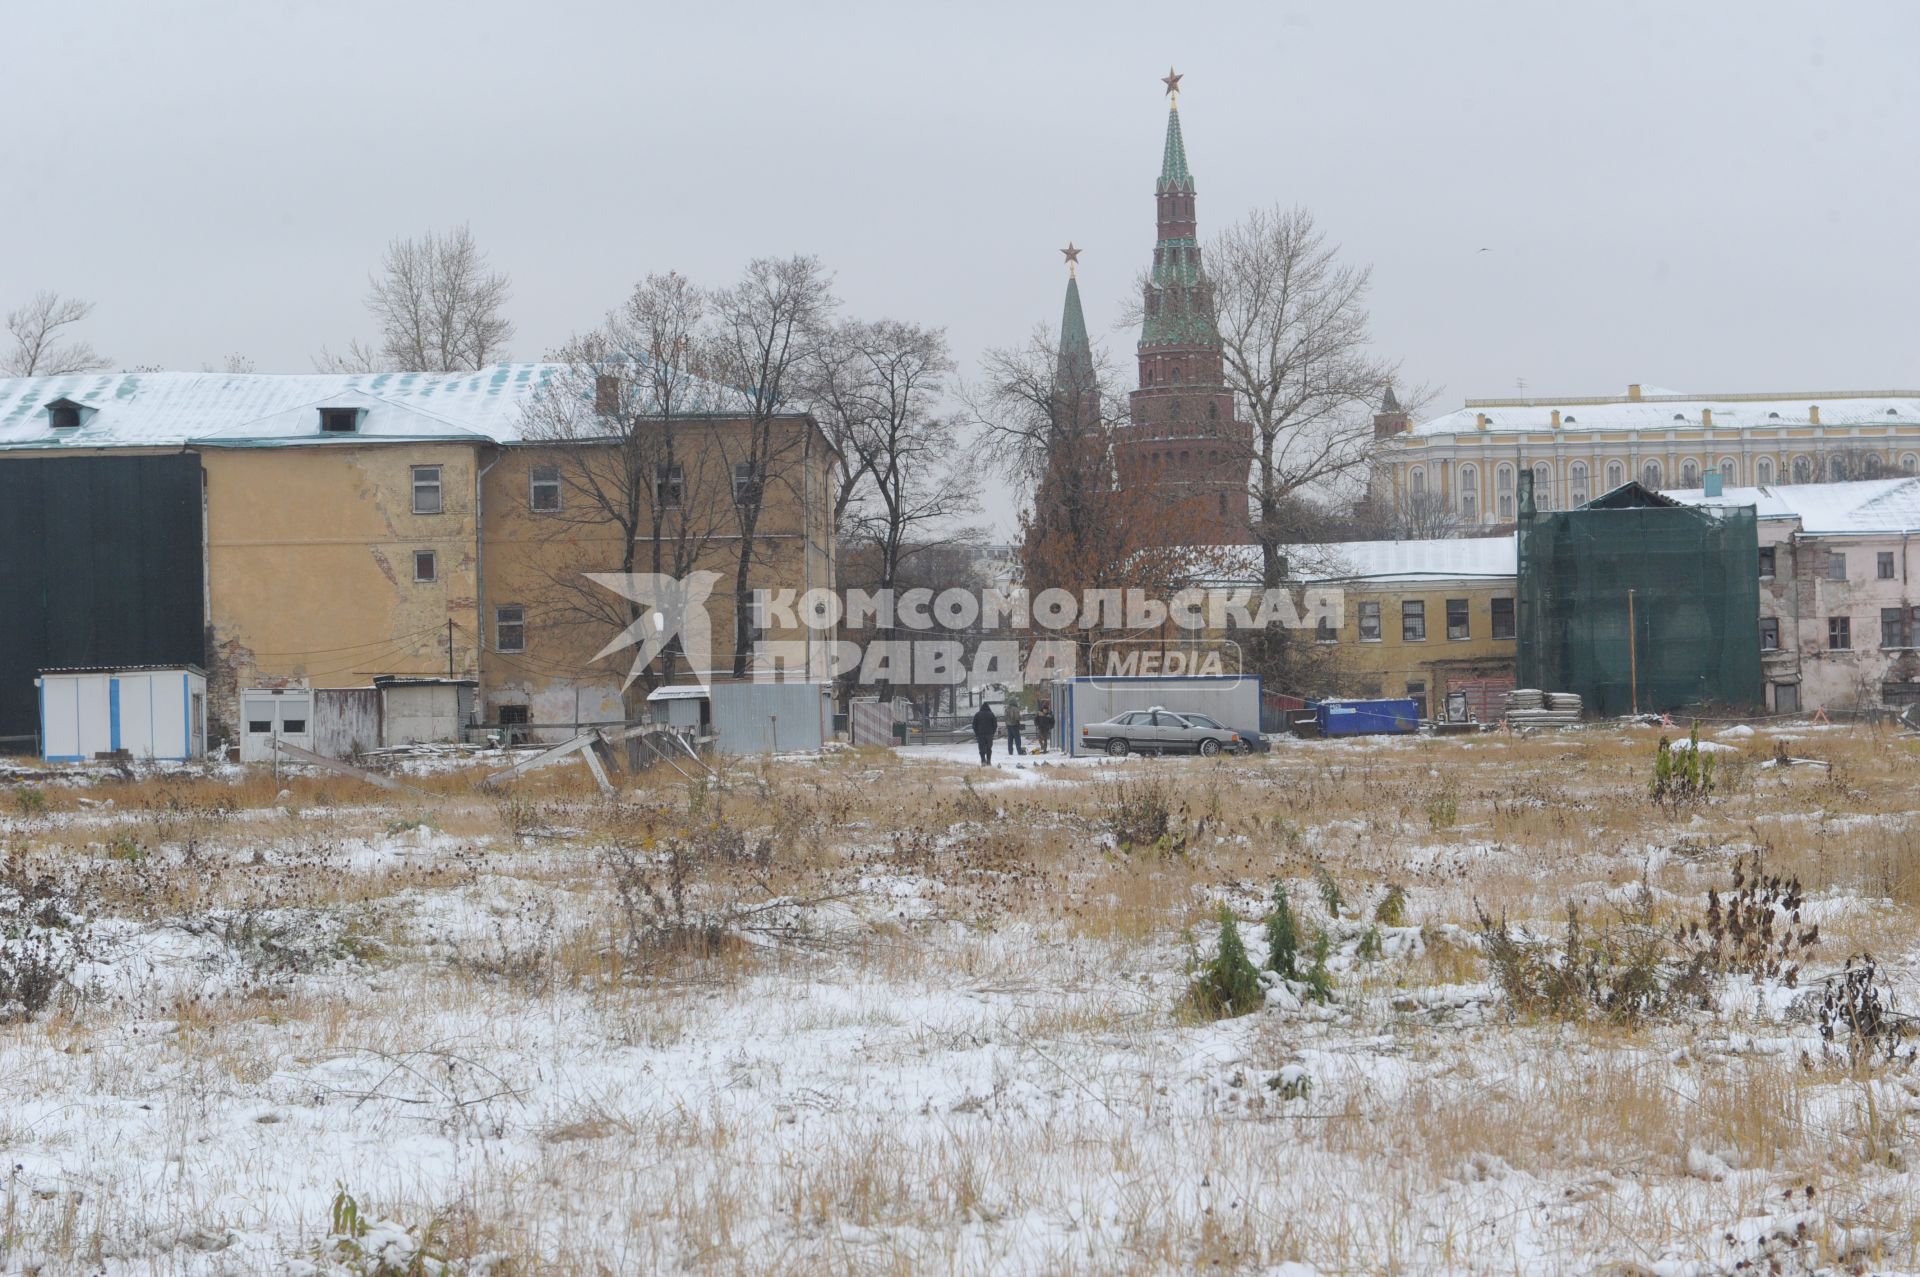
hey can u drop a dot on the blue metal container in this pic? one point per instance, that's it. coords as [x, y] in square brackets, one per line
[1364, 718]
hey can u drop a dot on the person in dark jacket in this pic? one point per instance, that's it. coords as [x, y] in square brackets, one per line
[1013, 729]
[985, 725]
[1043, 724]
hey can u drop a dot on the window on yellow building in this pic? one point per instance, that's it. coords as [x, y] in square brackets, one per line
[426, 565]
[669, 484]
[510, 629]
[1502, 619]
[1458, 626]
[1413, 621]
[543, 488]
[426, 490]
[1370, 621]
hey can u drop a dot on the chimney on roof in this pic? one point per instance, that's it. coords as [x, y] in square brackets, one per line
[1706, 416]
[1633, 393]
[606, 394]
[1480, 420]
[1813, 413]
[1556, 418]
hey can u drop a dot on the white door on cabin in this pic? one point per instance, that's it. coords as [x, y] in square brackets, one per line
[268, 715]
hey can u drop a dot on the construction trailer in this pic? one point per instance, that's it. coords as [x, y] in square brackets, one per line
[1232, 700]
[151, 713]
[749, 718]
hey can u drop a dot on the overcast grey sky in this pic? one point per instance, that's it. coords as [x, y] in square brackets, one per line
[1711, 197]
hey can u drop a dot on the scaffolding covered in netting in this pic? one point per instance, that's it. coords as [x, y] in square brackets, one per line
[1636, 601]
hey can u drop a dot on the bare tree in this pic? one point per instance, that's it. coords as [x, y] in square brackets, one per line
[40, 347]
[903, 442]
[1293, 332]
[766, 330]
[884, 386]
[1414, 516]
[612, 426]
[438, 306]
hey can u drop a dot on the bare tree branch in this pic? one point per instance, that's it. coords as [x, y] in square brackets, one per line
[40, 348]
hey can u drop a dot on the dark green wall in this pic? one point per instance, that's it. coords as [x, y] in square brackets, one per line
[100, 564]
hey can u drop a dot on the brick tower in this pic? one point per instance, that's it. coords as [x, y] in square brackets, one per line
[1181, 439]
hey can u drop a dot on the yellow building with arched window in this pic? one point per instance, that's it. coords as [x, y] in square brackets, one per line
[1466, 464]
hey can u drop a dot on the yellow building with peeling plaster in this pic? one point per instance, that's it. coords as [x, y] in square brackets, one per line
[368, 532]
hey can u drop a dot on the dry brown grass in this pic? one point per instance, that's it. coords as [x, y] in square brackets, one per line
[936, 883]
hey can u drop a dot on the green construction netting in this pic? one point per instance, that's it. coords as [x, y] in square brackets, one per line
[1695, 600]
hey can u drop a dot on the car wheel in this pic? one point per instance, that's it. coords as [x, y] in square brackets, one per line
[1242, 748]
[1117, 748]
[1209, 747]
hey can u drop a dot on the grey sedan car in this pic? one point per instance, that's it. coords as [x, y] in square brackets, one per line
[1161, 731]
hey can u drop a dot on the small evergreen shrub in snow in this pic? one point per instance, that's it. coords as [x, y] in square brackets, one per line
[1283, 936]
[1329, 892]
[1392, 909]
[1318, 978]
[1227, 983]
[1372, 947]
[1681, 773]
[381, 1247]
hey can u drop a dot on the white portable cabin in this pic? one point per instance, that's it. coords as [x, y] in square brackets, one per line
[749, 718]
[154, 713]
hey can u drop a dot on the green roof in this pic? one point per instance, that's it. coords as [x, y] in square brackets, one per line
[1173, 164]
[1076, 351]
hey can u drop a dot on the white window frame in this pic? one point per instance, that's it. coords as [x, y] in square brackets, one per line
[428, 479]
[432, 559]
[669, 485]
[543, 479]
[753, 476]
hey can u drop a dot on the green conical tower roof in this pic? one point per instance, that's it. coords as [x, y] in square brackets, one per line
[1173, 161]
[1076, 351]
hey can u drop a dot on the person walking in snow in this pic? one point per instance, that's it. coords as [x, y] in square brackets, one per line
[1043, 724]
[1013, 729]
[984, 727]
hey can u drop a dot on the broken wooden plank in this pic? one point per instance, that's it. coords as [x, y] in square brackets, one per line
[547, 757]
[599, 771]
[300, 755]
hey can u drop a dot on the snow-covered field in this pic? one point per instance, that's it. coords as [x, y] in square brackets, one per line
[899, 1013]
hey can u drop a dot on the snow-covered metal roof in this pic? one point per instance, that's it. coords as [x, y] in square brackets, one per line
[1673, 410]
[212, 409]
[1860, 506]
[1439, 559]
